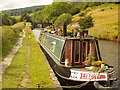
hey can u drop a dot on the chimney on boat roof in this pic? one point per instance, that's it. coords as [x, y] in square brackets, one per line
[65, 29]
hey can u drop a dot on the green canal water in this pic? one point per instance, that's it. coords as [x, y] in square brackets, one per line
[110, 54]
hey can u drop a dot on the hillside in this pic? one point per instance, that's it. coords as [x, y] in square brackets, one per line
[105, 16]
[17, 12]
[105, 19]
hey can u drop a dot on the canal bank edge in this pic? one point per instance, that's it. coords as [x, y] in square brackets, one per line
[57, 85]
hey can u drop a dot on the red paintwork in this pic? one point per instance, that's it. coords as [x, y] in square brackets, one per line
[68, 50]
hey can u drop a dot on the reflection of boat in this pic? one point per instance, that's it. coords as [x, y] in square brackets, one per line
[76, 59]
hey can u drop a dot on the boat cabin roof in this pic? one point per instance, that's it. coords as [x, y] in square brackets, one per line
[88, 37]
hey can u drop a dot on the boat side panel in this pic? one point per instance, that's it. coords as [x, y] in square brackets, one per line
[53, 44]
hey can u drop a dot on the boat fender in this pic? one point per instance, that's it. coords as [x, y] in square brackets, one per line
[101, 68]
[66, 62]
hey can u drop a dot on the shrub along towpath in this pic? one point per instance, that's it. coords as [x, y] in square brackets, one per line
[28, 68]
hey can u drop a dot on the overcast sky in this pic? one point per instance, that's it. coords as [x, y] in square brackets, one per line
[13, 4]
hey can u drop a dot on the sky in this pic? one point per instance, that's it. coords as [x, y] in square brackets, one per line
[14, 4]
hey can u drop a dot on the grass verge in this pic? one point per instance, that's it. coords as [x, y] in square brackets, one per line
[10, 35]
[37, 69]
[14, 73]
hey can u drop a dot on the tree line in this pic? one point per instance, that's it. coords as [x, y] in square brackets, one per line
[50, 13]
[8, 20]
[60, 13]
[21, 11]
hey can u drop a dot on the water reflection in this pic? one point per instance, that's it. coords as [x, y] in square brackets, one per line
[36, 33]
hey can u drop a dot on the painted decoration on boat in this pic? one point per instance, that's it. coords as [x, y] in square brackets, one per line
[87, 76]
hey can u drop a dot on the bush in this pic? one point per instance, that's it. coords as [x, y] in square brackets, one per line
[9, 38]
[102, 9]
[7, 20]
[111, 8]
[75, 11]
[86, 22]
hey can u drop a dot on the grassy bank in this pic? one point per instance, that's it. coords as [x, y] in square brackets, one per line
[105, 19]
[28, 67]
[10, 35]
[106, 22]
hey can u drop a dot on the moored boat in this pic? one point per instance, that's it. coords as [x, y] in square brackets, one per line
[76, 59]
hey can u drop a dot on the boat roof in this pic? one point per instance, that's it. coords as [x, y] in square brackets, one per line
[85, 38]
[88, 37]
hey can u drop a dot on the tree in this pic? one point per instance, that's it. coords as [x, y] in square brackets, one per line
[12, 21]
[75, 10]
[64, 20]
[50, 12]
[86, 22]
[25, 17]
[7, 20]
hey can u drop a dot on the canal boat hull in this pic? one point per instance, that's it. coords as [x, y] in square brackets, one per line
[64, 80]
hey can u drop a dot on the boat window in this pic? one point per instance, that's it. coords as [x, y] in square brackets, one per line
[63, 57]
[96, 52]
[43, 39]
[77, 51]
[41, 36]
[53, 44]
[84, 50]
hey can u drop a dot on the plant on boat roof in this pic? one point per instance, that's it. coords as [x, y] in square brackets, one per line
[64, 20]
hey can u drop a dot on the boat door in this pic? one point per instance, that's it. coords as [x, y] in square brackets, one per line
[76, 52]
[80, 52]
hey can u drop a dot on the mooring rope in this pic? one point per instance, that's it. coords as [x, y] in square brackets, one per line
[77, 86]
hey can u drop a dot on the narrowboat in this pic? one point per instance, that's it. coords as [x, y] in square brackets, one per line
[76, 59]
